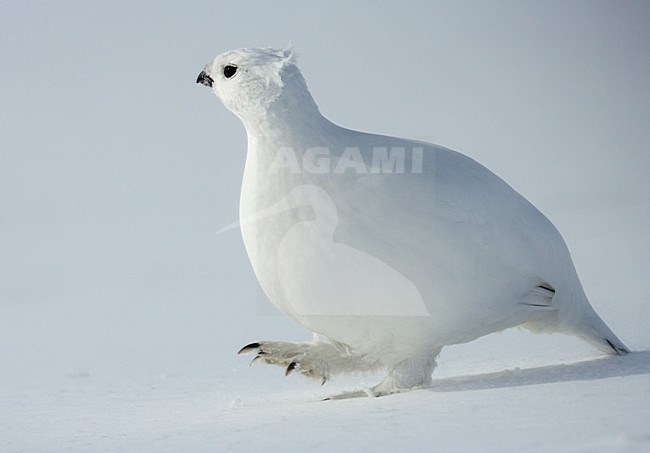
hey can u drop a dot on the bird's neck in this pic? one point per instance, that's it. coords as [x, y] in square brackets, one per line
[292, 117]
[277, 138]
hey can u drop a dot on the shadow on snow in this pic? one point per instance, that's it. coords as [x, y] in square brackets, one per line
[635, 363]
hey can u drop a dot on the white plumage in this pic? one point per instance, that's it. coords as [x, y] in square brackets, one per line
[390, 248]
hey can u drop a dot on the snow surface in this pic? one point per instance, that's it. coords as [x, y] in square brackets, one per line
[481, 401]
[121, 311]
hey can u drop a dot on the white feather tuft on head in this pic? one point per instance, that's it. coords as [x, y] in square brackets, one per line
[289, 54]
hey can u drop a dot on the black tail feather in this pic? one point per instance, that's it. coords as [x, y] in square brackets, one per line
[620, 350]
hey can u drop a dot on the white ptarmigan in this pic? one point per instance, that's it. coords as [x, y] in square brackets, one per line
[389, 248]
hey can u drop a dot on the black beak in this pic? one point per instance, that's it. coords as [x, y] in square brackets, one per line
[204, 79]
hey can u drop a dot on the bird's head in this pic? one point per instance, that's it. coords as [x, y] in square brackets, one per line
[249, 81]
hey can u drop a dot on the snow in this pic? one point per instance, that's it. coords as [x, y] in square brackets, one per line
[481, 400]
[121, 310]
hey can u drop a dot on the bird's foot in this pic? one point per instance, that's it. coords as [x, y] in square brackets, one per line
[411, 374]
[373, 392]
[305, 358]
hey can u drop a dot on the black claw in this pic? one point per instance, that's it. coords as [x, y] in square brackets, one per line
[324, 381]
[249, 348]
[290, 368]
[257, 357]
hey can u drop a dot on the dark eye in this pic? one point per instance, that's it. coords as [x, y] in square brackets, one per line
[229, 71]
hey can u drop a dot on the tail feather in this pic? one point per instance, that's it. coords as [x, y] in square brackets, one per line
[618, 348]
[594, 330]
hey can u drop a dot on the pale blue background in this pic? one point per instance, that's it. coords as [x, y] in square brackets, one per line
[116, 169]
